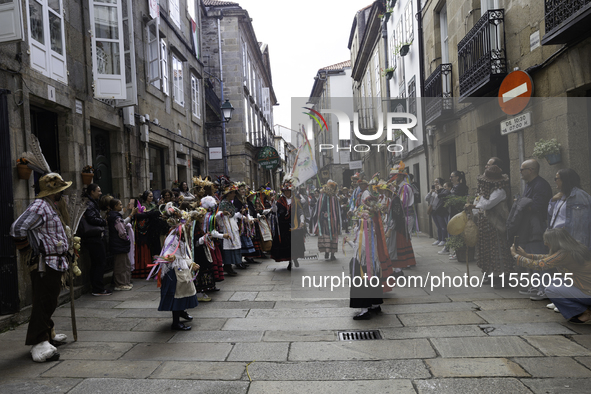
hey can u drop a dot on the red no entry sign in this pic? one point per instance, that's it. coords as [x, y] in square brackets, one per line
[515, 92]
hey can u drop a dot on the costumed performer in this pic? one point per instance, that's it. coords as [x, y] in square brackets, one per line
[327, 220]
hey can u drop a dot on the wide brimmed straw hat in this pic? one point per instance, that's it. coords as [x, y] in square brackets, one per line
[52, 183]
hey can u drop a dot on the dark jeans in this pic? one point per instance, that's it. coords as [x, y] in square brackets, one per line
[441, 224]
[46, 290]
[98, 262]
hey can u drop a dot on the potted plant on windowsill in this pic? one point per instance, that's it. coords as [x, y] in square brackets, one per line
[23, 170]
[87, 175]
[405, 48]
[550, 149]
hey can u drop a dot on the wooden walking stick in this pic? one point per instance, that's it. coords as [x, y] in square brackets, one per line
[76, 208]
[72, 310]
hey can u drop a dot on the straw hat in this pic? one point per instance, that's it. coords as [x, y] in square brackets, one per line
[52, 183]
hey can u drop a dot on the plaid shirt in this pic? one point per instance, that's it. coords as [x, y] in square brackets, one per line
[42, 223]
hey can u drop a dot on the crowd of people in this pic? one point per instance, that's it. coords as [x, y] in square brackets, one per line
[191, 238]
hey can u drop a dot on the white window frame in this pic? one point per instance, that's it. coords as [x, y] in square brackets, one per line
[408, 23]
[164, 63]
[378, 80]
[196, 97]
[153, 53]
[48, 62]
[443, 27]
[177, 83]
[11, 22]
[174, 10]
[129, 56]
[244, 62]
[108, 83]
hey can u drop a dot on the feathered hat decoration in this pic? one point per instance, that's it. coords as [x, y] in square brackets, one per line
[36, 160]
[208, 202]
[288, 182]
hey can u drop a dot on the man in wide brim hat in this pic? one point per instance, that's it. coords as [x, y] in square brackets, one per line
[47, 249]
[493, 174]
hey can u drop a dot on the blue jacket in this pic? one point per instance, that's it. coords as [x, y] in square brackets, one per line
[578, 215]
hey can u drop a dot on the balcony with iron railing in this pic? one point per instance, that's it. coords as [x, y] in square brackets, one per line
[566, 20]
[438, 95]
[482, 58]
[212, 99]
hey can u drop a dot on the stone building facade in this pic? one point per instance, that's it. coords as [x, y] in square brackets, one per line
[470, 46]
[247, 84]
[131, 108]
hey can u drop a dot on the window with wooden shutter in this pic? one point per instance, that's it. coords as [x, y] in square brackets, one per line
[11, 21]
[108, 64]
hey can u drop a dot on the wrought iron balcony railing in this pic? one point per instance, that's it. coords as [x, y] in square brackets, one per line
[566, 20]
[438, 94]
[212, 99]
[482, 58]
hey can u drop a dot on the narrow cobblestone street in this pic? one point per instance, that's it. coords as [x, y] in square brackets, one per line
[454, 340]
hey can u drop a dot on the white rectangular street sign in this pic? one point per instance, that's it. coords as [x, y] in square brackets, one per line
[517, 123]
[215, 153]
[355, 165]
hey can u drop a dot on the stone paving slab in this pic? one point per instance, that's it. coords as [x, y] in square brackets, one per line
[217, 336]
[234, 286]
[586, 361]
[317, 323]
[274, 296]
[484, 347]
[432, 332]
[163, 325]
[521, 329]
[93, 350]
[557, 346]
[470, 386]
[339, 370]
[361, 350]
[125, 336]
[298, 313]
[139, 369]
[22, 368]
[474, 367]
[473, 297]
[88, 312]
[38, 386]
[553, 367]
[139, 304]
[192, 370]
[427, 308]
[540, 315]
[298, 304]
[584, 329]
[399, 299]
[440, 318]
[557, 386]
[332, 387]
[90, 302]
[64, 324]
[179, 352]
[244, 296]
[583, 340]
[217, 305]
[300, 336]
[264, 351]
[158, 386]
[516, 303]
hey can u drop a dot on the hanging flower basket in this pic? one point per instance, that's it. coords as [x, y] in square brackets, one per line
[554, 158]
[24, 172]
[87, 177]
[389, 74]
[404, 50]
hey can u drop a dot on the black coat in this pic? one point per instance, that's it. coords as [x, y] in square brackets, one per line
[117, 245]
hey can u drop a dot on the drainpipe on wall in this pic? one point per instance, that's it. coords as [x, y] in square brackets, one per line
[422, 90]
[224, 153]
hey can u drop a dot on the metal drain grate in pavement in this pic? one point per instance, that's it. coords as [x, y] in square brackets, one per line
[310, 257]
[359, 335]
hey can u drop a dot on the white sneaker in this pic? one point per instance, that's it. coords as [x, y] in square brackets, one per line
[435, 243]
[453, 257]
[42, 351]
[123, 288]
[556, 310]
[442, 243]
[550, 306]
[443, 251]
[60, 338]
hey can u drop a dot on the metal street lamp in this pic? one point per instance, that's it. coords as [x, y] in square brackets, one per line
[227, 110]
